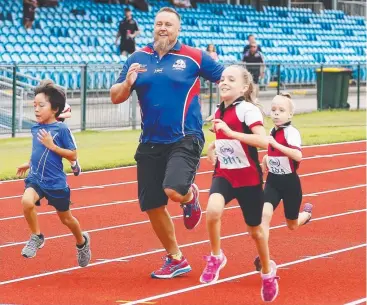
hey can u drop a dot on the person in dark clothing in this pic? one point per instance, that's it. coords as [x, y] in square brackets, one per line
[251, 39]
[255, 65]
[29, 11]
[128, 30]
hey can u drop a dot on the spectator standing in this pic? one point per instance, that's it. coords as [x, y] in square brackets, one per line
[128, 30]
[29, 12]
[251, 39]
[255, 65]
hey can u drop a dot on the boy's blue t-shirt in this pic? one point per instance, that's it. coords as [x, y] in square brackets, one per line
[46, 166]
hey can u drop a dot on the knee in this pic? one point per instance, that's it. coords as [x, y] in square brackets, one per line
[173, 195]
[213, 215]
[256, 234]
[27, 204]
[267, 215]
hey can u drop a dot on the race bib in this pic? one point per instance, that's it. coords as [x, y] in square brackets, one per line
[230, 154]
[279, 165]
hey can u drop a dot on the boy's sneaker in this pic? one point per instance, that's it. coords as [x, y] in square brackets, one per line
[31, 247]
[76, 168]
[212, 268]
[172, 268]
[192, 209]
[308, 208]
[270, 288]
[84, 254]
[257, 263]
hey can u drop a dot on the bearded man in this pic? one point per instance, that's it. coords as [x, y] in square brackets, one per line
[165, 74]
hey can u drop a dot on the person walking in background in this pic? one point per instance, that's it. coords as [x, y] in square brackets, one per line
[127, 32]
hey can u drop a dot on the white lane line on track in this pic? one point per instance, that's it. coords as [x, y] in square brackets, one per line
[360, 301]
[231, 278]
[201, 191]
[12, 244]
[135, 200]
[101, 186]
[134, 166]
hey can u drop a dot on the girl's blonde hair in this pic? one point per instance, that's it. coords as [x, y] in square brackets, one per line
[249, 94]
[287, 97]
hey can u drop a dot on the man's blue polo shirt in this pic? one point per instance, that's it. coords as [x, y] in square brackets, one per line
[169, 91]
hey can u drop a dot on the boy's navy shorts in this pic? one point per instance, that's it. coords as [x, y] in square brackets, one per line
[59, 199]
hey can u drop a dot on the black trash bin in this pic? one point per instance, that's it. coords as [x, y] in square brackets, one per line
[335, 88]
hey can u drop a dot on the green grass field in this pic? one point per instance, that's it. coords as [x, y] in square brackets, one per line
[106, 149]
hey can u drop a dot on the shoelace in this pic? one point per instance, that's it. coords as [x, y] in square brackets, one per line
[32, 243]
[210, 266]
[83, 251]
[167, 262]
[187, 209]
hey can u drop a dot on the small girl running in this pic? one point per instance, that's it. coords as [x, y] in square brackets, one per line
[52, 141]
[239, 130]
[281, 163]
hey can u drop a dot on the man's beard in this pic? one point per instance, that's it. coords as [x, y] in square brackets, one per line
[162, 45]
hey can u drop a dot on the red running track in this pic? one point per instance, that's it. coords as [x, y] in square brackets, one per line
[339, 223]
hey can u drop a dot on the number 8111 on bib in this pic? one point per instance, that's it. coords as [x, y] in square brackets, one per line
[231, 154]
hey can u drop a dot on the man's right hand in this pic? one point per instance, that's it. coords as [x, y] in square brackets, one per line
[132, 73]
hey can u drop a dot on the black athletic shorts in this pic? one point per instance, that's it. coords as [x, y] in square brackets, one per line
[163, 166]
[286, 187]
[250, 198]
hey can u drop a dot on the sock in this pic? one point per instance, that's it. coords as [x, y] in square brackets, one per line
[40, 236]
[177, 256]
[268, 275]
[82, 246]
[73, 163]
[218, 256]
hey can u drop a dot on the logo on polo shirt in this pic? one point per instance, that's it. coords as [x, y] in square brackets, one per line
[179, 65]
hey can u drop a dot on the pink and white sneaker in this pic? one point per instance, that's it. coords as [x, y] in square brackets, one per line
[308, 208]
[192, 209]
[270, 287]
[212, 268]
[172, 268]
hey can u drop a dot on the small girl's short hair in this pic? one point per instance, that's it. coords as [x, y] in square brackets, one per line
[55, 95]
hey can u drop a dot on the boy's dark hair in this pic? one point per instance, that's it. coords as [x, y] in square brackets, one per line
[55, 95]
[127, 10]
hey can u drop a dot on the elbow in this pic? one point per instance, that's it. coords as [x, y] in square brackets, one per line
[298, 157]
[113, 96]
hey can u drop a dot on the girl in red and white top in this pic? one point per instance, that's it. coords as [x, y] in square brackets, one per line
[281, 163]
[238, 125]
